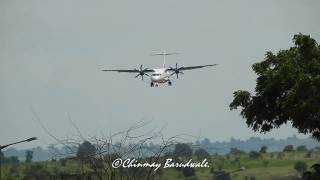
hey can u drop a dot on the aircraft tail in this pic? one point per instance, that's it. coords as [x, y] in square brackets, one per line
[164, 54]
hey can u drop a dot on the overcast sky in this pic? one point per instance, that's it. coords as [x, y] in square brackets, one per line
[52, 54]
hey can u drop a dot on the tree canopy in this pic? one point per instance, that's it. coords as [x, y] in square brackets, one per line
[86, 150]
[287, 90]
[29, 156]
[182, 150]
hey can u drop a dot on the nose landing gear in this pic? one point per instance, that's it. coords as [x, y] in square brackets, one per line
[151, 84]
[169, 83]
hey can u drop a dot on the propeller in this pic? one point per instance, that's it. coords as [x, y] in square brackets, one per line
[141, 72]
[176, 71]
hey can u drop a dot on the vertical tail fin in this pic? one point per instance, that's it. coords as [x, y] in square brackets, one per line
[164, 54]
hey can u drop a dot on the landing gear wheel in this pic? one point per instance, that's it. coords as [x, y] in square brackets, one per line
[169, 83]
[151, 84]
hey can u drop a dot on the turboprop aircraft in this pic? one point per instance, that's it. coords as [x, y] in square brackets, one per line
[160, 75]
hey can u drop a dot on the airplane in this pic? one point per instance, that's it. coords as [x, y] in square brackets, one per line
[160, 75]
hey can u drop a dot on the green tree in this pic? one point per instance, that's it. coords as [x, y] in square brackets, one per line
[1, 157]
[86, 150]
[29, 156]
[201, 153]
[263, 149]
[287, 89]
[254, 154]
[182, 150]
[235, 151]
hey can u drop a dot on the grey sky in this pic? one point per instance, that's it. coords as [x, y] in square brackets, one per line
[52, 54]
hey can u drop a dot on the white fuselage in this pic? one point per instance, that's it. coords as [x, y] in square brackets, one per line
[160, 75]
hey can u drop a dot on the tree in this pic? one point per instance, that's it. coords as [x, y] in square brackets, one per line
[201, 154]
[205, 142]
[182, 150]
[235, 151]
[1, 156]
[288, 148]
[314, 174]
[29, 156]
[263, 149]
[302, 148]
[254, 154]
[86, 150]
[12, 159]
[300, 166]
[287, 89]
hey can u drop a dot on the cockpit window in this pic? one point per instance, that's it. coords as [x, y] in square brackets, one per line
[156, 74]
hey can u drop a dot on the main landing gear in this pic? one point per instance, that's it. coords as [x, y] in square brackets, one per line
[153, 84]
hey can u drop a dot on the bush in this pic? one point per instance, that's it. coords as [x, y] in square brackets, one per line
[188, 172]
[201, 154]
[36, 170]
[254, 154]
[300, 166]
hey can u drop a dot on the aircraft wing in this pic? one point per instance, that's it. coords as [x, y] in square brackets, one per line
[129, 70]
[195, 67]
[183, 68]
[180, 70]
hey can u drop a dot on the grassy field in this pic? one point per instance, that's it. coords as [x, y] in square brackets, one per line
[268, 166]
[276, 165]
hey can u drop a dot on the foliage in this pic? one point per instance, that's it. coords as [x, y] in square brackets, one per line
[201, 153]
[182, 150]
[254, 154]
[300, 166]
[235, 151]
[275, 169]
[11, 159]
[314, 174]
[36, 170]
[302, 148]
[263, 149]
[85, 150]
[29, 156]
[221, 175]
[187, 172]
[288, 148]
[287, 89]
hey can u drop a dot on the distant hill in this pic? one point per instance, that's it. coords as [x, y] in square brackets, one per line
[254, 143]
